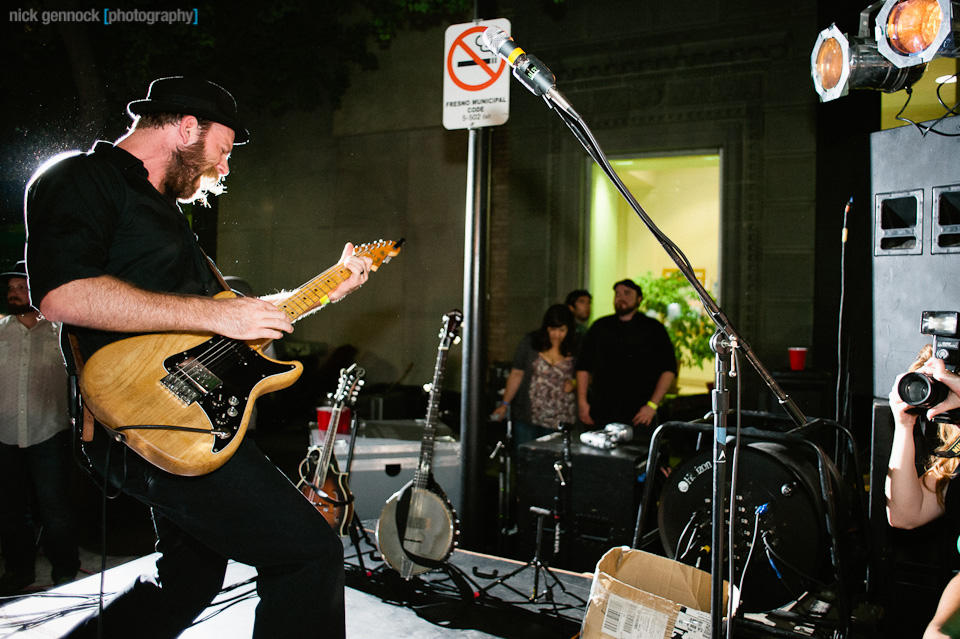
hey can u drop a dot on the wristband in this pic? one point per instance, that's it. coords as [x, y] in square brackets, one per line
[502, 403]
[652, 404]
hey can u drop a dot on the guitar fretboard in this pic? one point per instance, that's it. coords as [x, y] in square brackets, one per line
[421, 477]
[317, 290]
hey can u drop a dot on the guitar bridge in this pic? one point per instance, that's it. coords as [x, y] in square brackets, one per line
[190, 380]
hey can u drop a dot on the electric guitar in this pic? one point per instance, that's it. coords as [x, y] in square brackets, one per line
[418, 527]
[182, 400]
[326, 487]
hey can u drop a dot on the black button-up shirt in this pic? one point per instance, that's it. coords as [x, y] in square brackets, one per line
[97, 214]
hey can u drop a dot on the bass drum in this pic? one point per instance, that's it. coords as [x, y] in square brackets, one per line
[790, 540]
[431, 531]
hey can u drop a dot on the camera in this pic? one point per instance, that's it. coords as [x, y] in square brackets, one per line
[922, 391]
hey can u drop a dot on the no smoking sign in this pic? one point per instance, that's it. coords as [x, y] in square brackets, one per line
[476, 81]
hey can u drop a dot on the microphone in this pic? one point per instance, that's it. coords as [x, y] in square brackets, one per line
[527, 68]
[846, 210]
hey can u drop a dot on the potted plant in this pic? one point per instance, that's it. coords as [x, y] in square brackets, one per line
[671, 300]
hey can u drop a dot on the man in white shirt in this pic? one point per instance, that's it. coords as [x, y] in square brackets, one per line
[35, 457]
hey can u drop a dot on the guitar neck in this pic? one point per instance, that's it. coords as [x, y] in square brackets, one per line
[317, 291]
[314, 292]
[324, 464]
[422, 476]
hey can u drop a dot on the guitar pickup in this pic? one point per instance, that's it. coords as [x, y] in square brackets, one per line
[190, 381]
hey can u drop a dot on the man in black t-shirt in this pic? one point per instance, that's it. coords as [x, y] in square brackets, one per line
[110, 254]
[625, 365]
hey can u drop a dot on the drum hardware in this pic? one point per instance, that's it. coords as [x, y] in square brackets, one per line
[540, 566]
[503, 453]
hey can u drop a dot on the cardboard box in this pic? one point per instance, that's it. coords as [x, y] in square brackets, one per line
[638, 595]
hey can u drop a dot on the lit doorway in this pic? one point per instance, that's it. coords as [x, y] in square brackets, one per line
[681, 194]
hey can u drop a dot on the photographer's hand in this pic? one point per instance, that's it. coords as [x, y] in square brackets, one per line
[911, 500]
[899, 408]
[936, 369]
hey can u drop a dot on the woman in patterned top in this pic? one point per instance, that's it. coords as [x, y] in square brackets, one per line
[539, 391]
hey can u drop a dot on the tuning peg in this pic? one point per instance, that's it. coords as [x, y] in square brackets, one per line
[456, 340]
[428, 387]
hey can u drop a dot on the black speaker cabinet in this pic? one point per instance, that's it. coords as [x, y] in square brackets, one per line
[604, 488]
[916, 266]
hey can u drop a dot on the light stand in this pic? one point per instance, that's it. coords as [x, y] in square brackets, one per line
[540, 81]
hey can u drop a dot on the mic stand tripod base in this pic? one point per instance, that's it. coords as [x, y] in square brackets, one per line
[539, 567]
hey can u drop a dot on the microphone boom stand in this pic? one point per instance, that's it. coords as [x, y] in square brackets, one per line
[723, 343]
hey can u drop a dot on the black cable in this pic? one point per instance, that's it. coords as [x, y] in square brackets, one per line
[924, 130]
[733, 494]
[794, 569]
[103, 540]
[843, 282]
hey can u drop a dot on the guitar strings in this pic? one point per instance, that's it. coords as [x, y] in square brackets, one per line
[225, 347]
[226, 351]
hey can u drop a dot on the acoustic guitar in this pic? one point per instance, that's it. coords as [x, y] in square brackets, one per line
[418, 527]
[182, 400]
[326, 487]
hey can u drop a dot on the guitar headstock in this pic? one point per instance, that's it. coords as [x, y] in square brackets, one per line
[449, 332]
[351, 379]
[380, 251]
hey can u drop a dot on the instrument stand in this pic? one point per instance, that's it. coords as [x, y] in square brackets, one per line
[541, 568]
[357, 531]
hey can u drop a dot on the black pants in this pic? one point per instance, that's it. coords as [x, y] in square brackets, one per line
[246, 510]
[41, 473]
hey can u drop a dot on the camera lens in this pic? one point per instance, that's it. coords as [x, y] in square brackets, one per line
[917, 389]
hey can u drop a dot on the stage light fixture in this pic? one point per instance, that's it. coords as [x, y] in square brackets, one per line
[913, 32]
[839, 63]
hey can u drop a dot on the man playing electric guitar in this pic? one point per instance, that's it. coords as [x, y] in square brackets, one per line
[110, 254]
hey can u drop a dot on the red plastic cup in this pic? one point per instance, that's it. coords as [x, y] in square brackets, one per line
[798, 357]
[323, 419]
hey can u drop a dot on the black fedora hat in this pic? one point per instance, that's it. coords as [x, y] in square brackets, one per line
[19, 270]
[192, 96]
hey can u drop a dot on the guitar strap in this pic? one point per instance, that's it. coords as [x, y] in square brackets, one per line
[78, 405]
[214, 269]
[403, 512]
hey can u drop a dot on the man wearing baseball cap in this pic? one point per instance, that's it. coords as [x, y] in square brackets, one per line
[626, 364]
[110, 255]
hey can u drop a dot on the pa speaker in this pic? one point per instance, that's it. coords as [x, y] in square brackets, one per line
[916, 210]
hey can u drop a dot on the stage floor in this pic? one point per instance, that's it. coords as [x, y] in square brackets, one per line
[460, 602]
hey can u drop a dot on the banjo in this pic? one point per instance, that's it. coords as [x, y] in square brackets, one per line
[418, 527]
